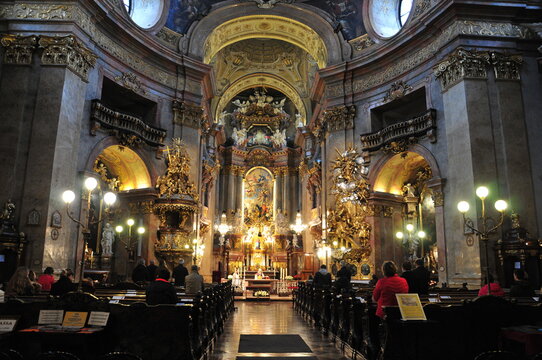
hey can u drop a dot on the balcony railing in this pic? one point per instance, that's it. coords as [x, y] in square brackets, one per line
[420, 126]
[104, 117]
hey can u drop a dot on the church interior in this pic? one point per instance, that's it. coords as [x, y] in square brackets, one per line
[266, 145]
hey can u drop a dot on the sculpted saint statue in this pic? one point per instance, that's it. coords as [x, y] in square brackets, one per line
[239, 136]
[108, 234]
[279, 138]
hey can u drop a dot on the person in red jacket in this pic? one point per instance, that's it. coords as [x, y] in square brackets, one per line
[495, 288]
[46, 279]
[387, 287]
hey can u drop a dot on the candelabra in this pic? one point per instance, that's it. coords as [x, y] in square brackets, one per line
[483, 232]
[324, 251]
[128, 243]
[411, 240]
[68, 197]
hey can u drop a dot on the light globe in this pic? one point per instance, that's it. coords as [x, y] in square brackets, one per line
[119, 228]
[482, 192]
[130, 222]
[410, 227]
[110, 198]
[141, 230]
[421, 234]
[68, 196]
[501, 205]
[463, 206]
[399, 235]
[91, 183]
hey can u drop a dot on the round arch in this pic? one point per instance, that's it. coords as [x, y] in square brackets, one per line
[298, 17]
[391, 171]
[259, 80]
[129, 165]
[269, 27]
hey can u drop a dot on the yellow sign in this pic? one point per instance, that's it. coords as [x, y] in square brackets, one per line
[75, 319]
[410, 306]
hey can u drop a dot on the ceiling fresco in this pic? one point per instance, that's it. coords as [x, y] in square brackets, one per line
[346, 14]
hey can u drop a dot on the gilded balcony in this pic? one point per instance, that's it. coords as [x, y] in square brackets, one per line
[124, 125]
[409, 131]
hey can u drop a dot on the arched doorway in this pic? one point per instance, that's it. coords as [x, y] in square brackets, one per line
[409, 224]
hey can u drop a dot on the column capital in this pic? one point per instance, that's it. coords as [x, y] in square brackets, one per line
[18, 49]
[506, 67]
[67, 51]
[339, 117]
[462, 64]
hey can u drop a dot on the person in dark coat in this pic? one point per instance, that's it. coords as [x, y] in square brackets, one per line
[521, 287]
[161, 291]
[64, 284]
[342, 283]
[322, 278]
[421, 278]
[140, 272]
[408, 275]
[152, 270]
[179, 273]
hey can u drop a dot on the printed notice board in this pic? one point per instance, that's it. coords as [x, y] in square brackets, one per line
[410, 306]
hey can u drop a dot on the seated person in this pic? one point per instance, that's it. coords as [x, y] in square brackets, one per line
[495, 288]
[140, 272]
[194, 281]
[521, 287]
[64, 284]
[47, 279]
[20, 284]
[387, 287]
[161, 291]
[322, 278]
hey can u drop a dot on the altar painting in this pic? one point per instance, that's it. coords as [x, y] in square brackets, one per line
[258, 197]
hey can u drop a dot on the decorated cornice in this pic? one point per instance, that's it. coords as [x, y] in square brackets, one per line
[407, 63]
[74, 13]
[397, 90]
[462, 64]
[236, 170]
[361, 43]
[339, 117]
[169, 37]
[506, 67]
[130, 81]
[187, 114]
[18, 49]
[67, 51]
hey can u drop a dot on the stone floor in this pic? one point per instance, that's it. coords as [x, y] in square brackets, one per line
[271, 317]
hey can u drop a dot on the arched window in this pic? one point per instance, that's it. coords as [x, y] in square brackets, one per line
[405, 6]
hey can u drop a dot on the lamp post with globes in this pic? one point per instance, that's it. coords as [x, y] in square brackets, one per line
[486, 229]
[223, 229]
[410, 240]
[68, 197]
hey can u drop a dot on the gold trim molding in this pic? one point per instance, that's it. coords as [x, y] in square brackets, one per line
[270, 27]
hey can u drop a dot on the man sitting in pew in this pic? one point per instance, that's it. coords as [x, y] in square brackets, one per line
[161, 291]
[194, 281]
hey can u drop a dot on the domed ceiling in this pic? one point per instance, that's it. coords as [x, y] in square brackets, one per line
[346, 15]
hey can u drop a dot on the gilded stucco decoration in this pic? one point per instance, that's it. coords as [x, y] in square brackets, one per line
[68, 51]
[259, 80]
[269, 4]
[130, 81]
[176, 181]
[506, 67]
[346, 222]
[339, 117]
[462, 64]
[268, 26]
[397, 90]
[18, 49]
[187, 114]
[361, 43]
